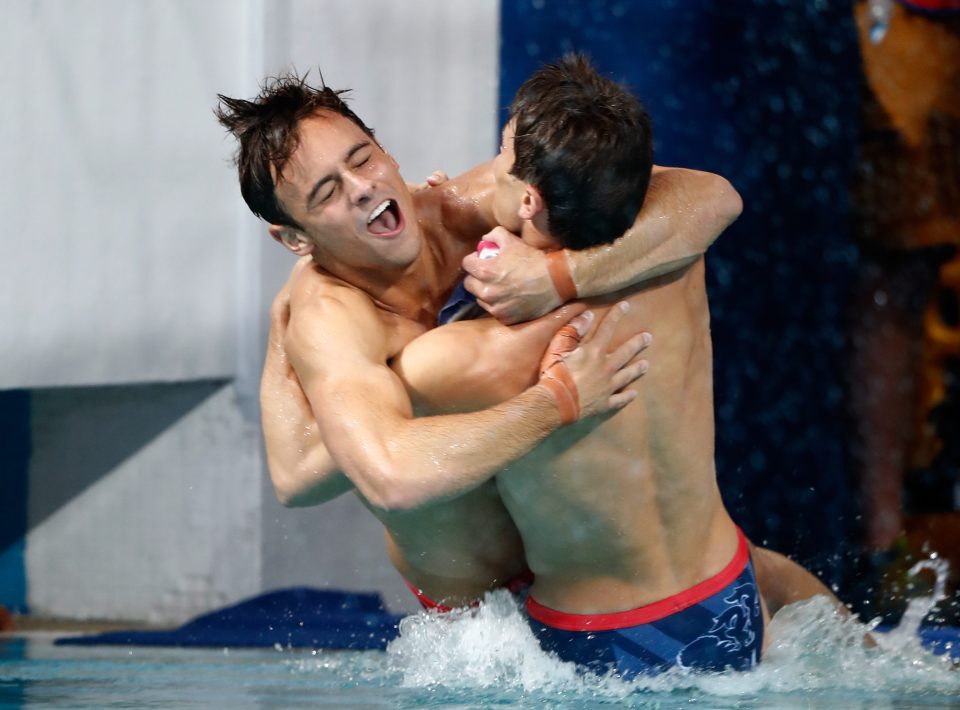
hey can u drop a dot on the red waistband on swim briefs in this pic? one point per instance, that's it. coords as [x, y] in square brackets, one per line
[515, 585]
[649, 612]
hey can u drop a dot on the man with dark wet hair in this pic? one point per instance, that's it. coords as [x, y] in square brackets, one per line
[378, 263]
[588, 147]
[637, 565]
[339, 199]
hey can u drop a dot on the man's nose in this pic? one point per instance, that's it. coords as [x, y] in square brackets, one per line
[361, 189]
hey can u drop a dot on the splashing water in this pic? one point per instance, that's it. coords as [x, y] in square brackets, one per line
[816, 658]
[490, 646]
[905, 634]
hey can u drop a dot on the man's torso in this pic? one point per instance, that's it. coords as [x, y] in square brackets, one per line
[620, 512]
[454, 550]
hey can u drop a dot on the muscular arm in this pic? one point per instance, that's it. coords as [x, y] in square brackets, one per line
[459, 366]
[301, 469]
[682, 215]
[337, 348]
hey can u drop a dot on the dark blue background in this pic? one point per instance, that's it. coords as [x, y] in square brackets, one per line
[766, 94]
[15, 448]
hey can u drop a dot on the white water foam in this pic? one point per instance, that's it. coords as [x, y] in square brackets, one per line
[489, 656]
[812, 648]
[489, 648]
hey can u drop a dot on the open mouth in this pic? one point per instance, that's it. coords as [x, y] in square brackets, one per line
[385, 220]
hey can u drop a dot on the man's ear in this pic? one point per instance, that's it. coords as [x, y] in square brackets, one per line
[293, 239]
[531, 204]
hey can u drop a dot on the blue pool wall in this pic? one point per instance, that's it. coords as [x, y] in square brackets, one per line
[765, 93]
[14, 463]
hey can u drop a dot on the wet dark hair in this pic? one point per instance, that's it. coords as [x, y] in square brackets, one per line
[586, 144]
[267, 129]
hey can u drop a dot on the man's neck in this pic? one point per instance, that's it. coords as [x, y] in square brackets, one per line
[417, 292]
[447, 235]
[535, 232]
[449, 231]
[414, 292]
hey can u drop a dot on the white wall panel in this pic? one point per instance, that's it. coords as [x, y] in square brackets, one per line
[423, 72]
[129, 257]
[116, 263]
[119, 258]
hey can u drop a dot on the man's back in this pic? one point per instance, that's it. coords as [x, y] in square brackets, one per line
[619, 512]
[637, 566]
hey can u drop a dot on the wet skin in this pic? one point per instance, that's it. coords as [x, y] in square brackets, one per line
[455, 548]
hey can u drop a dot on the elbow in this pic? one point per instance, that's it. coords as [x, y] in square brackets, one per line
[391, 492]
[721, 207]
[285, 499]
[291, 499]
[392, 504]
[394, 500]
[285, 486]
[288, 496]
[729, 204]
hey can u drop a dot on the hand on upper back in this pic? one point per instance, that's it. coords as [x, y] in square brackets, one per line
[585, 377]
[515, 285]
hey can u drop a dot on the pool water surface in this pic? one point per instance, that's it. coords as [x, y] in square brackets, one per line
[480, 659]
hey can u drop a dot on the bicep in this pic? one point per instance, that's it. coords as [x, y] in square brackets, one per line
[361, 410]
[356, 399]
[301, 469]
[710, 200]
[437, 370]
[471, 365]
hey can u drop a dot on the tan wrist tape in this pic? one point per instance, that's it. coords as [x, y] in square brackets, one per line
[559, 269]
[564, 393]
[556, 377]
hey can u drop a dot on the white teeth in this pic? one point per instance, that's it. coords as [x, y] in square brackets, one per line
[379, 211]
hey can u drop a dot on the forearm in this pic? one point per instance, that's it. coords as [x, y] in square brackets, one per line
[306, 475]
[684, 212]
[398, 462]
[401, 463]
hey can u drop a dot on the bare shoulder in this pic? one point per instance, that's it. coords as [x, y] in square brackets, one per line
[327, 316]
[313, 293]
[463, 204]
[695, 186]
[280, 308]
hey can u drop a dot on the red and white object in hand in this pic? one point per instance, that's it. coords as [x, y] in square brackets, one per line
[487, 250]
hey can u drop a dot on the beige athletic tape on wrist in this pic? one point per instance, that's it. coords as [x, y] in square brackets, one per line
[559, 269]
[556, 377]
